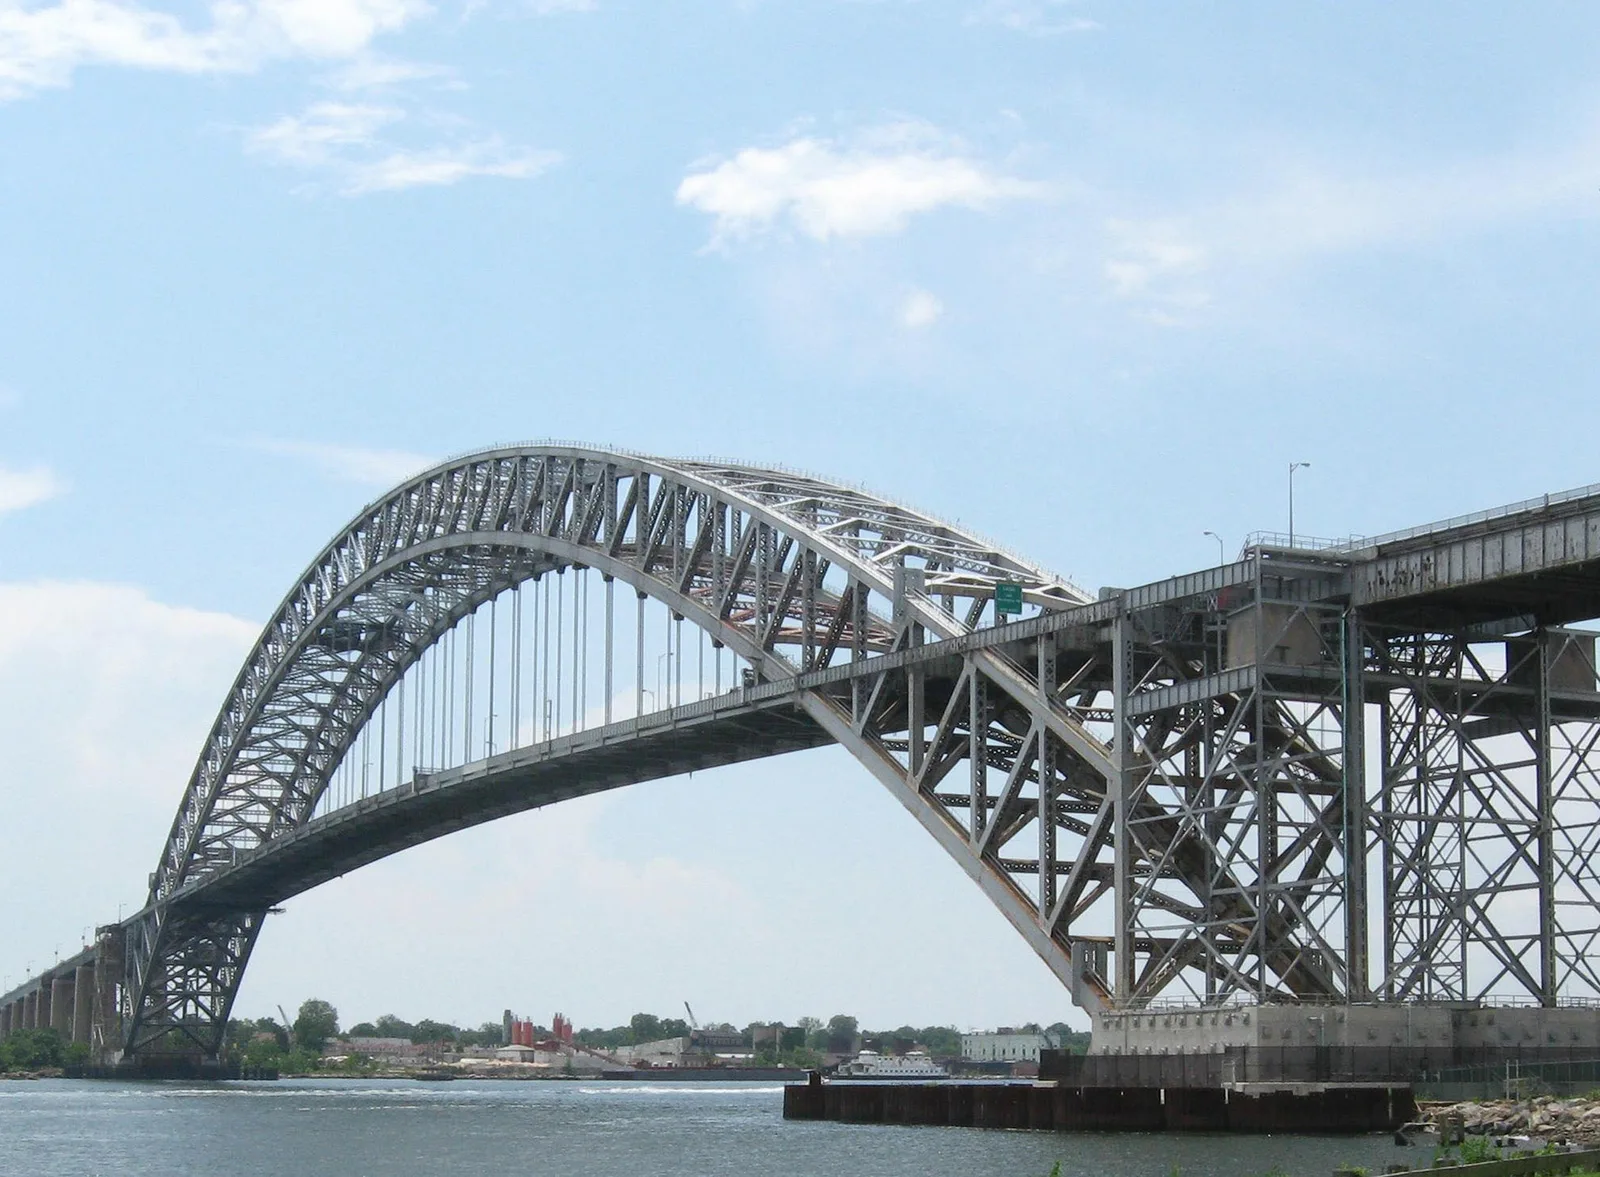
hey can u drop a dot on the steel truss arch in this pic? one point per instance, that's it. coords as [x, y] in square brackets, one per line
[784, 569]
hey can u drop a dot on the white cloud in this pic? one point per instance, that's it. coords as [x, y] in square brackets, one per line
[1037, 18]
[20, 489]
[827, 189]
[344, 141]
[1175, 261]
[1149, 252]
[445, 165]
[1155, 266]
[336, 28]
[372, 71]
[920, 309]
[42, 46]
[552, 7]
[321, 131]
[369, 467]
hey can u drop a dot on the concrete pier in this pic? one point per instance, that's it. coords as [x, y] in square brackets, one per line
[41, 1017]
[83, 1003]
[30, 1016]
[5, 1022]
[61, 1005]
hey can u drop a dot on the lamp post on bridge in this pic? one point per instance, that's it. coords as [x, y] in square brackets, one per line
[1221, 550]
[1293, 466]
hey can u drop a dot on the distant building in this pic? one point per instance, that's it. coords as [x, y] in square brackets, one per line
[767, 1036]
[668, 1052]
[1007, 1046]
[381, 1046]
[400, 1052]
[718, 1040]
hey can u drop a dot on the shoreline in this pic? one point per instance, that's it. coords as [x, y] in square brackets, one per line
[450, 1072]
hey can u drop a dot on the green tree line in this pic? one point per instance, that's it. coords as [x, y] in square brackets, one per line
[42, 1049]
[295, 1048]
[805, 1043]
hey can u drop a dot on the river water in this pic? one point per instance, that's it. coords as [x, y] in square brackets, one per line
[311, 1128]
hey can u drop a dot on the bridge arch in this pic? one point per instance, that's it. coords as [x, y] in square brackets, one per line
[793, 574]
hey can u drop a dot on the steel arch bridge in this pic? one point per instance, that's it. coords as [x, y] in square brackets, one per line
[787, 573]
[1169, 791]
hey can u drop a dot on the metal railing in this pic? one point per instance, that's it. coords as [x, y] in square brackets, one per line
[1300, 543]
[1542, 502]
[1354, 542]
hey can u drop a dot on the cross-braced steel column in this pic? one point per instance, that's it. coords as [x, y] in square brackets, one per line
[1487, 813]
[1233, 847]
[1570, 835]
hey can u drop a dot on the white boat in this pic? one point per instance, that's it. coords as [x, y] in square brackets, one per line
[911, 1066]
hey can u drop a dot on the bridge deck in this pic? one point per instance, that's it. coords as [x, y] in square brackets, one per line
[663, 745]
[1539, 557]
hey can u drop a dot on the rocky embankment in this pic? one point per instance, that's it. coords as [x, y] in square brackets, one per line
[1571, 1121]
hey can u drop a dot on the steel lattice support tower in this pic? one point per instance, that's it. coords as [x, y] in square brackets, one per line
[1234, 831]
[1486, 812]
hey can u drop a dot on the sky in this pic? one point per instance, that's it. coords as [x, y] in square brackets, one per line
[1085, 277]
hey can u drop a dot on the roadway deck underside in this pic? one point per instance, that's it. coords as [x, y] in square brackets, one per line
[1555, 597]
[527, 778]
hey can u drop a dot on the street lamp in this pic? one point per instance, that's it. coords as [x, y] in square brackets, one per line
[1293, 466]
[1221, 558]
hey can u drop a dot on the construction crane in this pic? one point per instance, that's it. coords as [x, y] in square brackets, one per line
[693, 1025]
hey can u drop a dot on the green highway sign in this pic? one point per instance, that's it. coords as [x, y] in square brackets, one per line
[1007, 598]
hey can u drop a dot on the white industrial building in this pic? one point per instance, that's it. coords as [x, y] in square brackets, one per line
[1002, 1046]
[668, 1052]
[564, 1059]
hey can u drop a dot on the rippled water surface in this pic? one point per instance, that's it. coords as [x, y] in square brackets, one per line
[404, 1129]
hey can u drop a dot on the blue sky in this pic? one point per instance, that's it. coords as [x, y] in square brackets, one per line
[1083, 276]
